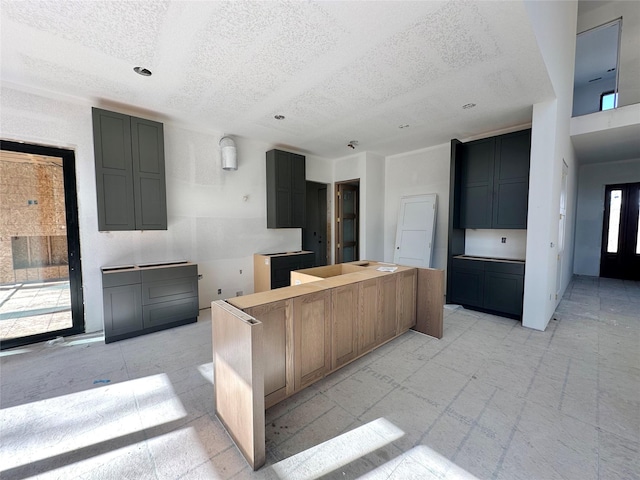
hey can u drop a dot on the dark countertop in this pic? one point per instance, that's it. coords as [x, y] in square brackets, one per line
[490, 259]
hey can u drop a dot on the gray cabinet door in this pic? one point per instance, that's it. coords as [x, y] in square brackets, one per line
[147, 146]
[476, 184]
[511, 180]
[503, 292]
[122, 310]
[467, 281]
[298, 191]
[114, 175]
[286, 190]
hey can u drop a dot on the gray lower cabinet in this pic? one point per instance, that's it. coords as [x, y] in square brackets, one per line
[486, 285]
[144, 300]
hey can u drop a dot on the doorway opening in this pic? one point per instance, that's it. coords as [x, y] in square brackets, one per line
[620, 251]
[347, 221]
[317, 230]
[40, 274]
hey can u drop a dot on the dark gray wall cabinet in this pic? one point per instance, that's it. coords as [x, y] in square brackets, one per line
[488, 285]
[286, 190]
[140, 300]
[494, 181]
[130, 174]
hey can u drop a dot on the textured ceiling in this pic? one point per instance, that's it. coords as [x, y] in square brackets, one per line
[338, 71]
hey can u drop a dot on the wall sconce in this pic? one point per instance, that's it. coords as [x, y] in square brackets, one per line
[228, 154]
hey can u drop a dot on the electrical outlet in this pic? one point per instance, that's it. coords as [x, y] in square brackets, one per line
[219, 291]
[504, 239]
[240, 271]
[239, 293]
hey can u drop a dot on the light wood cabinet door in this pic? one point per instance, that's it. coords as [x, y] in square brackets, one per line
[277, 330]
[344, 316]
[312, 337]
[388, 307]
[368, 315]
[406, 301]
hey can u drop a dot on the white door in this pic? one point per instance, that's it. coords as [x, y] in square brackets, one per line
[416, 229]
[562, 226]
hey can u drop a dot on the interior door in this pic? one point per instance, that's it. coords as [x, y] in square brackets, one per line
[416, 230]
[620, 254]
[347, 221]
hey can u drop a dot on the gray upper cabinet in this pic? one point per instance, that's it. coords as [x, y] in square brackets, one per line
[494, 182]
[511, 180]
[286, 189]
[476, 193]
[130, 176]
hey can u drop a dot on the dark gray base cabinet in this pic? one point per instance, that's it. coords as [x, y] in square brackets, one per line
[496, 287]
[147, 300]
[281, 268]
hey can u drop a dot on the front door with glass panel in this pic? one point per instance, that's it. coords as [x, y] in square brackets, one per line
[40, 275]
[620, 257]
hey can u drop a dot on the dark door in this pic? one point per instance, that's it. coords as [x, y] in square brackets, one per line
[620, 254]
[347, 221]
[314, 234]
[40, 240]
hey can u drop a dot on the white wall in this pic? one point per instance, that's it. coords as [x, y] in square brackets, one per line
[591, 185]
[208, 221]
[629, 65]
[488, 243]
[373, 195]
[554, 24]
[413, 173]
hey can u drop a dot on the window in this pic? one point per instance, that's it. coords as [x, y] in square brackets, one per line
[608, 100]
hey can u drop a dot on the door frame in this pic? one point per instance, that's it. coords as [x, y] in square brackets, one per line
[338, 187]
[73, 240]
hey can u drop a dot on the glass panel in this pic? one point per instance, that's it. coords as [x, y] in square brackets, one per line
[638, 232]
[348, 232]
[348, 254]
[609, 101]
[34, 276]
[348, 203]
[615, 202]
[596, 68]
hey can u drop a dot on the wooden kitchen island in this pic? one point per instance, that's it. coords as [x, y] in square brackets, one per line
[269, 345]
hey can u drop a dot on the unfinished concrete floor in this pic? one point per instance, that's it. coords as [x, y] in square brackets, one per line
[489, 400]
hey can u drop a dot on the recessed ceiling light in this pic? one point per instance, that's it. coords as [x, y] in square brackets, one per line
[406, 125]
[142, 71]
[467, 106]
[279, 117]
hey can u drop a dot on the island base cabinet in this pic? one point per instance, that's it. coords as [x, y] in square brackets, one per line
[312, 337]
[368, 315]
[406, 302]
[388, 321]
[277, 323]
[344, 334]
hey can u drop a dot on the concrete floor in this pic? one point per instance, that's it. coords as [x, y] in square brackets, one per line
[32, 308]
[489, 400]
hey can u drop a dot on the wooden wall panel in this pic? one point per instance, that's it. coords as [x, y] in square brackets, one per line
[238, 382]
[430, 302]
